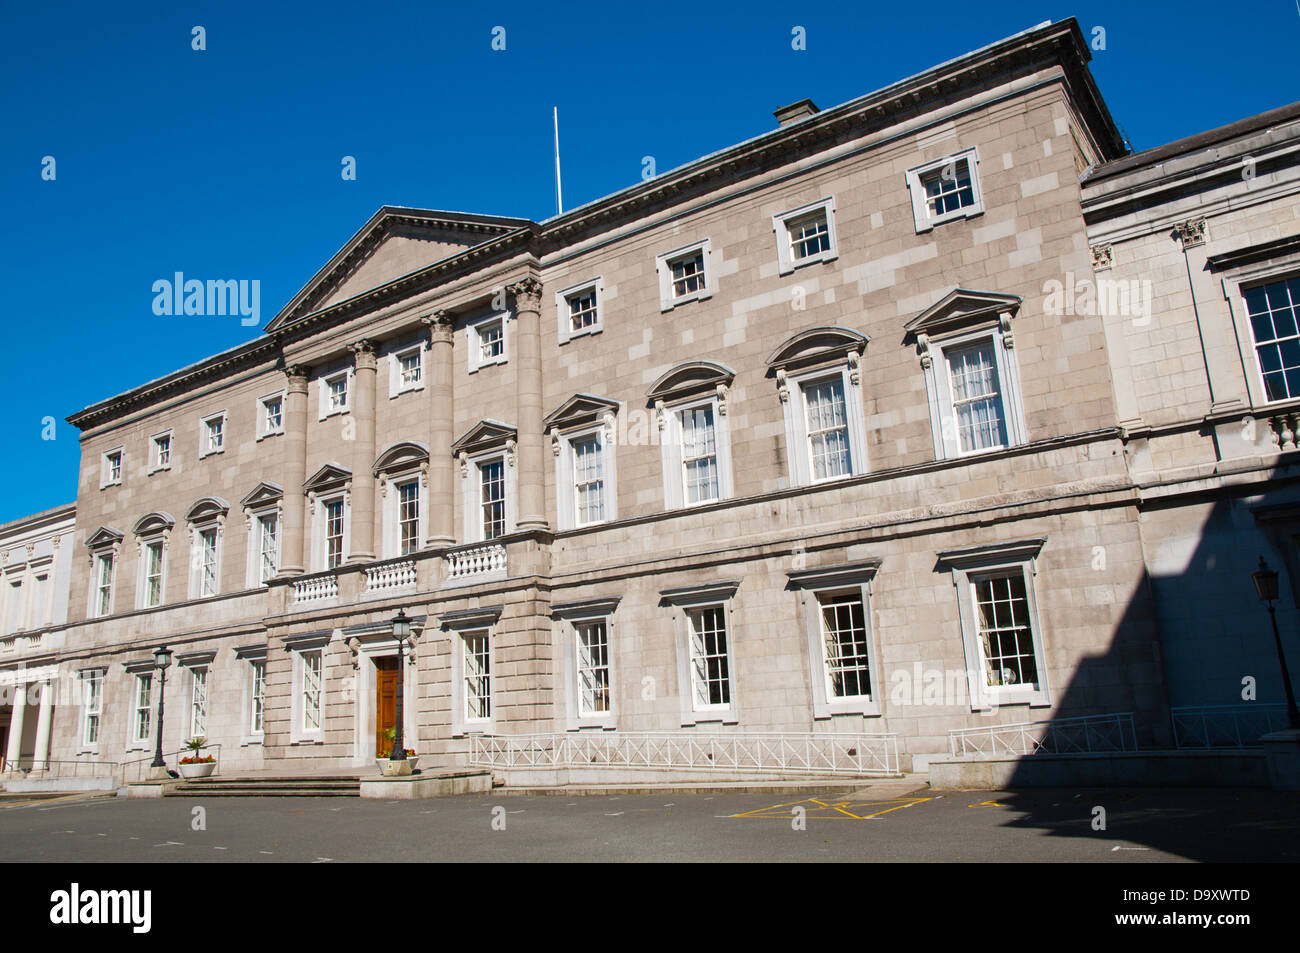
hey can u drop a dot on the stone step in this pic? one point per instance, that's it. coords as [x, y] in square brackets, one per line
[341, 786]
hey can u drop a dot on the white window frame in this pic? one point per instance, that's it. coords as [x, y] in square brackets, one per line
[252, 657]
[138, 678]
[685, 601]
[817, 584]
[462, 724]
[973, 562]
[197, 530]
[568, 618]
[920, 207]
[92, 707]
[799, 464]
[566, 476]
[156, 463]
[565, 330]
[96, 575]
[347, 375]
[471, 492]
[938, 385]
[320, 547]
[14, 614]
[106, 478]
[1235, 283]
[205, 433]
[474, 344]
[395, 385]
[196, 730]
[253, 577]
[142, 586]
[300, 648]
[786, 262]
[39, 611]
[663, 268]
[264, 429]
[672, 442]
[392, 512]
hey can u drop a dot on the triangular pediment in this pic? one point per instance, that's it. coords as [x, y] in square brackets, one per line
[579, 409]
[104, 536]
[262, 495]
[961, 307]
[688, 378]
[207, 508]
[484, 434]
[399, 456]
[327, 478]
[817, 345]
[155, 522]
[395, 242]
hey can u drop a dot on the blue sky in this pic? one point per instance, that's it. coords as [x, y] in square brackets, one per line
[226, 163]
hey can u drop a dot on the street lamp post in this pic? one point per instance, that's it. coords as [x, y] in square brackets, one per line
[1266, 586]
[162, 657]
[401, 632]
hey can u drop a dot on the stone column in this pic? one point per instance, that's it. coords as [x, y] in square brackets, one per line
[363, 453]
[293, 537]
[16, 723]
[42, 754]
[442, 419]
[528, 382]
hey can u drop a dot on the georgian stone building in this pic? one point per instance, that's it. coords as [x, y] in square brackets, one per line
[36, 555]
[1196, 252]
[790, 439]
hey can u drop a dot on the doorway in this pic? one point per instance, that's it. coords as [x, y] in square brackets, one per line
[385, 703]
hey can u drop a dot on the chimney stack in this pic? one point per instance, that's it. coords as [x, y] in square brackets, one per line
[795, 111]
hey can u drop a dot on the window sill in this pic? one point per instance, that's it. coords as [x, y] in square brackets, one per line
[932, 223]
[866, 708]
[820, 258]
[669, 304]
[334, 413]
[251, 741]
[211, 453]
[154, 470]
[271, 433]
[406, 390]
[105, 486]
[584, 333]
[492, 363]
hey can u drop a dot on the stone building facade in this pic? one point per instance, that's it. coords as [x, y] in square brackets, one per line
[36, 556]
[1196, 246]
[791, 439]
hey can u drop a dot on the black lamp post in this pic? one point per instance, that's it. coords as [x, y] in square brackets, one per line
[401, 632]
[162, 657]
[1266, 586]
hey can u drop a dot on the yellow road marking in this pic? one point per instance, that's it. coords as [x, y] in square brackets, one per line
[837, 809]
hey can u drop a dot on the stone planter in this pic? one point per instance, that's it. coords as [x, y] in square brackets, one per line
[201, 770]
[396, 769]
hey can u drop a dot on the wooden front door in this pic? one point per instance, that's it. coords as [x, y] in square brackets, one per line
[385, 703]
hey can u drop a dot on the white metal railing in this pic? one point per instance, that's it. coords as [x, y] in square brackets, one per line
[1225, 726]
[752, 752]
[475, 561]
[390, 575]
[315, 588]
[1091, 733]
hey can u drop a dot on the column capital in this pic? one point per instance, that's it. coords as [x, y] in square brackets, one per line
[528, 294]
[1191, 233]
[297, 375]
[441, 325]
[365, 353]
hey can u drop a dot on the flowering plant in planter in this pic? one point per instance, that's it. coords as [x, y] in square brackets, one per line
[196, 756]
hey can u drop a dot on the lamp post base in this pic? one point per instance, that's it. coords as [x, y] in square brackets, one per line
[159, 773]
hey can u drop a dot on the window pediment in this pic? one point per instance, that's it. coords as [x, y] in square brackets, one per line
[693, 377]
[994, 554]
[264, 494]
[818, 346]
[103, 537]
[578, 410]
[962, 308]
[208, 508]
[331, 476]
[484, 435]
[401, 456]
[159, 521]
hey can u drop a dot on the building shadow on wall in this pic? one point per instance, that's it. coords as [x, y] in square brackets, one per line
[1199, 618]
